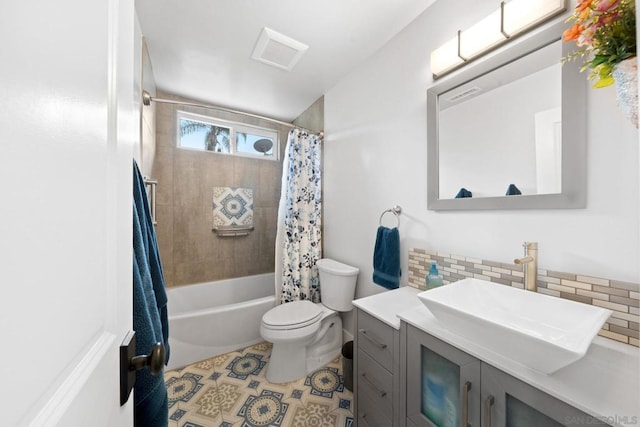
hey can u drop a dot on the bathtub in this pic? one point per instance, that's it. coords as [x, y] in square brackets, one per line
[213, 318]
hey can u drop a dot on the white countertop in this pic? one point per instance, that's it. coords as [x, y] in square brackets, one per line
[386, 305]
[605, 383]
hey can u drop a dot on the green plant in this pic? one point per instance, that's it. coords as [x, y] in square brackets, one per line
[217, 138]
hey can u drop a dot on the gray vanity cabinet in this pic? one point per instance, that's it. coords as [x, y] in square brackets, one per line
[507, 401]
[376, 380]
[444, 386]
[442, 383]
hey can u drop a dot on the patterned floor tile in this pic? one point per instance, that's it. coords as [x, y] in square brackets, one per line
[177, 414]
[344, 415]
[191, 417]
[267, 409]
[183, 388]
[231, 390]
[324, 382]
[263, 346]
[210, 364]
[207, 405]
[247, 364]
[232, 397]
[312, 414]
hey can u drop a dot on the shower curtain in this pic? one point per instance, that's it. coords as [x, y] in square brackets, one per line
[298, 244]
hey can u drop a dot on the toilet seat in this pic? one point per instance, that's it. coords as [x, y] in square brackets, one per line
[292, 315]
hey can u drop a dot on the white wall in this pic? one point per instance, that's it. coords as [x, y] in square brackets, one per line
[148, 112]
[375, 157]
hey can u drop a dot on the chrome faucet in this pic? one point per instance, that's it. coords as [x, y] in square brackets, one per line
[530, 261]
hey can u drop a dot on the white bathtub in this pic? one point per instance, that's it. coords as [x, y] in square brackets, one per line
[213, 318]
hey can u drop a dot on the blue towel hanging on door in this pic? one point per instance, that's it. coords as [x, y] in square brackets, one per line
[149, 311]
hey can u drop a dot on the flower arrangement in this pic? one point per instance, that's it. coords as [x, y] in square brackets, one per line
[605, 32]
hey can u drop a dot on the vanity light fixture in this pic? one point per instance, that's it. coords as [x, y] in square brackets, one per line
[511, 19]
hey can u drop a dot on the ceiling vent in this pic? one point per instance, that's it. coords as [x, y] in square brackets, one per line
[278, 50]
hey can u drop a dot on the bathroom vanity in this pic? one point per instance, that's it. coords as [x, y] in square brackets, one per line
[410, 370]
[376, 379]
[376, 370]
[449, 387]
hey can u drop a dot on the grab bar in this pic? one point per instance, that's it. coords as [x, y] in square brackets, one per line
[396, 210]
[151, 183]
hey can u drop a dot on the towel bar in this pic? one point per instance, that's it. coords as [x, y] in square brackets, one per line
[151, 183]
[233, 230]
[396, 210]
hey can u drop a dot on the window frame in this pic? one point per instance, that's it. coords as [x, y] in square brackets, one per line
[234, 127]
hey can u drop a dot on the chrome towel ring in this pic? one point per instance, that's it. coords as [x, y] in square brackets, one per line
[396, 210]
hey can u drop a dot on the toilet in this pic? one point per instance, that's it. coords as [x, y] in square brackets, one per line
[306, 335]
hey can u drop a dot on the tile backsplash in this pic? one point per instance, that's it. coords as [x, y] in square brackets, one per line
[623, 298]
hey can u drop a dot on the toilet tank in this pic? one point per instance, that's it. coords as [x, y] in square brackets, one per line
[337, 284]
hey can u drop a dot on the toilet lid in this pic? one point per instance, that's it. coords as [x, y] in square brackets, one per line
[336, 268]
[292, 315]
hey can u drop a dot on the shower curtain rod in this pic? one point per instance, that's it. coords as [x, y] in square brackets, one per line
[147, 98]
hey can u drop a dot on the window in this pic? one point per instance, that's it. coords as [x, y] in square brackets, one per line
[198, 132]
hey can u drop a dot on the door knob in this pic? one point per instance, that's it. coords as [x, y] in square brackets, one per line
[154, 360]
[130, 363]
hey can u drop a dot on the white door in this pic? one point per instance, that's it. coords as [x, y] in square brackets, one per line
[67, 125]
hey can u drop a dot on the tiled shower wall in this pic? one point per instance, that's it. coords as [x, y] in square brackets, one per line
[191, 252]
[623, 298]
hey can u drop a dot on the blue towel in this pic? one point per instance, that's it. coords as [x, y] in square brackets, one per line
[386, 258]
[149, 311]
[463, 193]
[512, 190]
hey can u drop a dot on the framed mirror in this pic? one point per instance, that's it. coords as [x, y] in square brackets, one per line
[512, 122]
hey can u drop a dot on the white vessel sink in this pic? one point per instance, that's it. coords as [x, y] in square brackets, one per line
[542, 332]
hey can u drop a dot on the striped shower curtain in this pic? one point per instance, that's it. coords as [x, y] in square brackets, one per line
[298, 240]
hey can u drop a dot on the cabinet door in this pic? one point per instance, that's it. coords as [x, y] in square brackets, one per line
[443, 383]
[507, 401]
